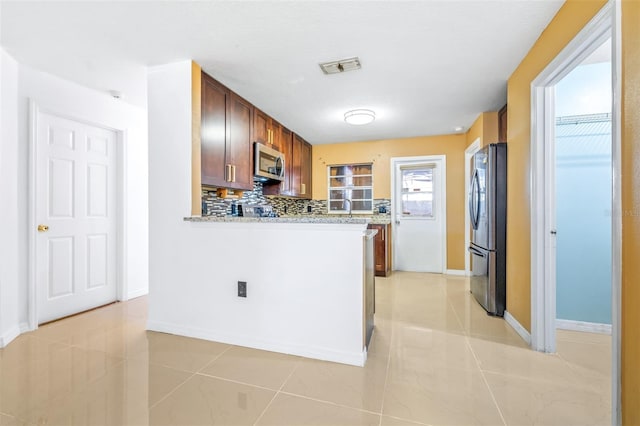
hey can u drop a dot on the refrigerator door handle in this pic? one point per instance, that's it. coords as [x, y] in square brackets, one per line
[477, 252]
[474, 204]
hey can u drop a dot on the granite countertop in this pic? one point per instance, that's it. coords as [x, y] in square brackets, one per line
[375, 219]
[285, 219]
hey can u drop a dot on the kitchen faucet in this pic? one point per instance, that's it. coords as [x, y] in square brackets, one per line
[347, 201]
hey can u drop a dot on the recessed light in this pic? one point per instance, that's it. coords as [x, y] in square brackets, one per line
[458, 129]
[359, 117]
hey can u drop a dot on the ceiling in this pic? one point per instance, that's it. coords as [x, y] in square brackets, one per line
[427, 66]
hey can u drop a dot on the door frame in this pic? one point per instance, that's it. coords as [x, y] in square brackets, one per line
[442, 161]
[121, 230]
[468, 155]
[605, 24]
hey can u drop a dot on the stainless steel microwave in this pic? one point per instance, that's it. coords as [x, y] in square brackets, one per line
[269, 163]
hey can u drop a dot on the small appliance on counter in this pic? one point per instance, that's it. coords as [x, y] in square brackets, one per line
[257, 211]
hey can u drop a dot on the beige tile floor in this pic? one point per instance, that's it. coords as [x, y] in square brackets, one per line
[436, 358]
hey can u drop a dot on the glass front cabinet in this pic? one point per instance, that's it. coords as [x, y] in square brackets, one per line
[350, 189]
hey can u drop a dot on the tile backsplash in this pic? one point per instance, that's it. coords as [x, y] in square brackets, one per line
[216, 206]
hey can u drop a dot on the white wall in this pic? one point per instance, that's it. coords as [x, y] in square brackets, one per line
[68, 99]
[10, 273]
[304, 281]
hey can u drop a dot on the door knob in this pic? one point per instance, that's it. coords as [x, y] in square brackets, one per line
[43, 228]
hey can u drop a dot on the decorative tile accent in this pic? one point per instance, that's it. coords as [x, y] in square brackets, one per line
[282, 206]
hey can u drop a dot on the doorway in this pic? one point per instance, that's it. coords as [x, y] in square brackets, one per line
[74, 217]
[419, 214]
[544, 229]
[583, 182]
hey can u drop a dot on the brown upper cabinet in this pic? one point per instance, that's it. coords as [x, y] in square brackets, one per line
[226, 125]
[229, 126]
[300, 168]
[268, 131]
[261, 127]
[297, 158]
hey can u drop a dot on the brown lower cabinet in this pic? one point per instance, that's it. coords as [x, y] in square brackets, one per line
[382, 249]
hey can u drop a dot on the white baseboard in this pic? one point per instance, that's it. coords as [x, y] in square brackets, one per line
[455, 272]
[357, 359]
[137, 293]
[522, 332]
[589, 327]
[24, 327]
[9, 335]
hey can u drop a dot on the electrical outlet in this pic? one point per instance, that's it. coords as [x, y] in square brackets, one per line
[242, 289]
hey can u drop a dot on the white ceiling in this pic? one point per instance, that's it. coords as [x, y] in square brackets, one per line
[427, 66]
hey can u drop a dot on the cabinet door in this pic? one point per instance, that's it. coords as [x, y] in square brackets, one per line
[277, 136]
[261, 127]
[239, 143]
[296, 165]
[300, 168]
[214, 132]
[286, 140]
[305, 170]
[284, 137]
[380, 249]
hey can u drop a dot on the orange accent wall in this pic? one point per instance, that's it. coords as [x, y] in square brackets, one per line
[380, 153]
[485, 127]
[196, 189]
[630, 212]
[569, 20]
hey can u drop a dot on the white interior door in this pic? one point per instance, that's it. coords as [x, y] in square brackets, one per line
[419, 215]
[75, 208]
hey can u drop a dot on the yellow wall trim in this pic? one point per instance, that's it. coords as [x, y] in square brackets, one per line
[196, 111]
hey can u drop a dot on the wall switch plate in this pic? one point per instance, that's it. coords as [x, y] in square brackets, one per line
[242, 289]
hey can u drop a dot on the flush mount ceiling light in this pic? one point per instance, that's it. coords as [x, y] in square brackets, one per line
[458, 129]
[359, 117]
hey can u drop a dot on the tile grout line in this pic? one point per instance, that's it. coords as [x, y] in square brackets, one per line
[455, 312]
[386, 376]
[409, 421]
[277, 393]
[185, 381]
[484, 378]
[486, 382]
[335, 404]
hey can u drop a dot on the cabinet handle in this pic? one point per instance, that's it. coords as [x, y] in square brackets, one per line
[303, 188]
[228, 177]
[233, 169]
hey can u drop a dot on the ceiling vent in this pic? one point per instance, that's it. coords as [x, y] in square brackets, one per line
[343, 65]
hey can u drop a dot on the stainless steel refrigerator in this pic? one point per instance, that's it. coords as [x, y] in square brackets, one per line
[488, 213]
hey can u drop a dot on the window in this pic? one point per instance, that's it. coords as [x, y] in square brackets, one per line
[350, 189]
[417, 191]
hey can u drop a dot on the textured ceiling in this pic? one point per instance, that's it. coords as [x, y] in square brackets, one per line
[427, 66]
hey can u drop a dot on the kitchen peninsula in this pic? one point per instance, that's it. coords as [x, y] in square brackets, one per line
[309, 285]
